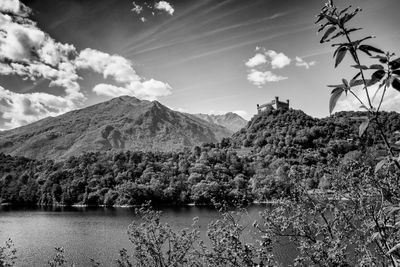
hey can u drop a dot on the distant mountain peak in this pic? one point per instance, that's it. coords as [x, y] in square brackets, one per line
[230, 120]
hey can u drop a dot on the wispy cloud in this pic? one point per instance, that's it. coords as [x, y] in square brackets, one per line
[302, 63]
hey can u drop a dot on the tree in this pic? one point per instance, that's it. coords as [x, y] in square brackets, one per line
[7, 254]
[359, 223]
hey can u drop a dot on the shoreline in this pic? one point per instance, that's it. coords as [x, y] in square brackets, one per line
[126, 206]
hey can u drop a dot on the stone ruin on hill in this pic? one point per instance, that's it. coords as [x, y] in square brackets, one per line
[274, 104]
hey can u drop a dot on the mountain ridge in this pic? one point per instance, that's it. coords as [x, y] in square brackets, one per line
[122, 123]
[229, 120]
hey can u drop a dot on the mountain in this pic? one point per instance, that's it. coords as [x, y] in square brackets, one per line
[123, 123]
[230, 120]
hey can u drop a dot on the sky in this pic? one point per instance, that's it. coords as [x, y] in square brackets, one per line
[195, 56]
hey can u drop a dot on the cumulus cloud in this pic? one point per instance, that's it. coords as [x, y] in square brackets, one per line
[33, 54]
[261, 64]
[268, 57]
[27, 51]
[256, 60]
[20, 109]
[302, 63]
[121, 70]
[278, 60]
[114, 66]
[260, 78]
[14, 7]
[165, 6]
[149, 90]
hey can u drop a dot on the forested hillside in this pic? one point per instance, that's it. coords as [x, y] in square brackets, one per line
[284, 148]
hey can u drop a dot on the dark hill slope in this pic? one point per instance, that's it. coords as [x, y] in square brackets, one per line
[293, 131]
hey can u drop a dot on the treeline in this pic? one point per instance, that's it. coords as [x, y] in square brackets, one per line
[281, 150]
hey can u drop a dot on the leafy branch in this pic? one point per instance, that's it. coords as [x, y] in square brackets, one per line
[385, 73]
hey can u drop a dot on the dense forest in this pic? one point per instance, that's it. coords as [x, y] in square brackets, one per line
[275, 151]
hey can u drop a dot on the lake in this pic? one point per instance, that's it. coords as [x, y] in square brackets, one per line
[97, 233]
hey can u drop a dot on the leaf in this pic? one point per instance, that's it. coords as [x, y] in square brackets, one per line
[395, 64]
[368, 48]
[356, 76]
[323, 26]
[346, 18]
[356, 83]
[377, 76]
[330, 19]
[397, 72]
[364, 125]
[319, 18]
[353, 54]
[396, 84]
[380, 164]
[344, 10]
[379, 57]
[327, 33]
[335, 36]
[337, 86]
[346, 83]
[340, 55]
[376, 67]
[336, 93]
[360, 67]
[353, 30]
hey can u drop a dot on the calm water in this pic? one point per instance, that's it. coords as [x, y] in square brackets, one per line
[97, 233]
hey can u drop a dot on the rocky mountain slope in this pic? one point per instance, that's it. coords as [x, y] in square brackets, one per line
[230, 120]
[123, 123]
